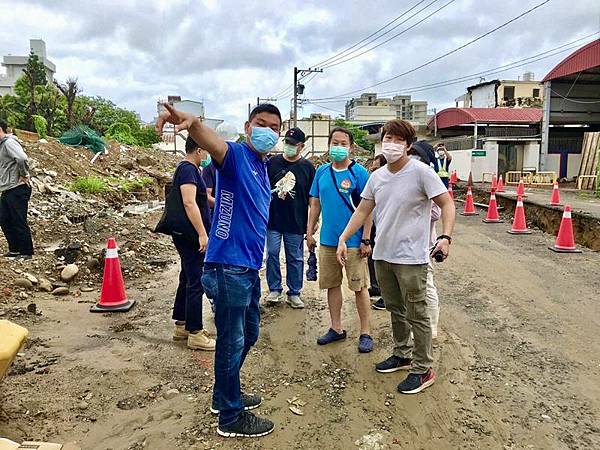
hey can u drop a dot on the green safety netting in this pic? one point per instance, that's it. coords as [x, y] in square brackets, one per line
[82, 136]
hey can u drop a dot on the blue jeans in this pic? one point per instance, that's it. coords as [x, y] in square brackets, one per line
[236, 294]
[293, 245]
[188, 299]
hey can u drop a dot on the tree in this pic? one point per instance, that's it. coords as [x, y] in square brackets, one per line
[358, 134]
[34, 75]
[69, 89]
[10, 110]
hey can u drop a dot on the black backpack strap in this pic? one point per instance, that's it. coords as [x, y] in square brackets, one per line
[350, 206]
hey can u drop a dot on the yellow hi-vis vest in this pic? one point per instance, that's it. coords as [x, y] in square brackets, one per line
[442, 172]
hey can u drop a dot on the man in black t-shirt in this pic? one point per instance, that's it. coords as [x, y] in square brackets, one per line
[291, 177]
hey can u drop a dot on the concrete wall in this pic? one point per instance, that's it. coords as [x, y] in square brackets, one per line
[316, 131]
[531, 155]
[483, 97]
[552, 163]
[372, 113]
[573, 165]
[522, 89]
[461, 162]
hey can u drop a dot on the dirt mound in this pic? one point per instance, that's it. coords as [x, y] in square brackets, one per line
[72, 227]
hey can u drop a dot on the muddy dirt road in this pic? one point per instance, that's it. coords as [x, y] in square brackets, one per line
[518, 365]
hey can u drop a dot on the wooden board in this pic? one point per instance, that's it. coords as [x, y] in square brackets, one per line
[589, 158]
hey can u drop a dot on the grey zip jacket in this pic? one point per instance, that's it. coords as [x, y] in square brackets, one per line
[13, 163]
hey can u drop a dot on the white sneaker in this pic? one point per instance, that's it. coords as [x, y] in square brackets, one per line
[273, 298]
[295, 302]
[201, 341]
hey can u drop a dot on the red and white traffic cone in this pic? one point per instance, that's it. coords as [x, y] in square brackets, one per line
[492, 212]
[450, 191]
[555, 198]
[113, 297]
[494, 184]
[500, 184]
[521, 188]
[519, 225]
[565, 239]
[469, 205]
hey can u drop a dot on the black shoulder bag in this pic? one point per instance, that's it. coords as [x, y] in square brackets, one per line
[174, 220]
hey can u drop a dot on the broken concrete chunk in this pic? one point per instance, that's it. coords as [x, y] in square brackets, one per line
[24, 283]
[60, 291]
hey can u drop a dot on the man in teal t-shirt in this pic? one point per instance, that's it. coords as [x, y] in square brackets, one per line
[335, 193]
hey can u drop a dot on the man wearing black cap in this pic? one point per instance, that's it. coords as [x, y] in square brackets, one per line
[291, 177]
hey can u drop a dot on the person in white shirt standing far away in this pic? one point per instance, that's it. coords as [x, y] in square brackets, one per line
[403, 191]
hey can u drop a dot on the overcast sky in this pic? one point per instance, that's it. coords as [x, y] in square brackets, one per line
[227, 53]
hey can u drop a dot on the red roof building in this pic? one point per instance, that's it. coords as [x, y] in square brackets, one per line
[571, 108]
[452, 117]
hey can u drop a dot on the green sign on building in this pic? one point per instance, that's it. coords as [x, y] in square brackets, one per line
[478, 153]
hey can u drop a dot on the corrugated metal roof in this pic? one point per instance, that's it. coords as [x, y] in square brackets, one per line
[452, 117]
[582, 59]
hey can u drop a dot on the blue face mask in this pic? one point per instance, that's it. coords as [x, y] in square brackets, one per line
[338, 153]
[263, 139]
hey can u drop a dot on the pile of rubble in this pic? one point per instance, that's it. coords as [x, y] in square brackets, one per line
[70, 229]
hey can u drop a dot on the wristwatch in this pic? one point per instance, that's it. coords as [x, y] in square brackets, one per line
[444, 236]
[366, 241]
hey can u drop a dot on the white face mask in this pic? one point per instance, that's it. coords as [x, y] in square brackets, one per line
[392, 152]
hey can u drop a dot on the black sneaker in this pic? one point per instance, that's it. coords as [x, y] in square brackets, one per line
[415, 382]
[374, 292]
[247, 425]
[379, 304]
[250, 401]
[392, 364]
[11, 254]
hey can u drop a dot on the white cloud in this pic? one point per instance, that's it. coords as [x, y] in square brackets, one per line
[229, 52]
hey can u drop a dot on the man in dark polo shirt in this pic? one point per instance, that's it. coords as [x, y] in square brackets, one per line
[291, 176]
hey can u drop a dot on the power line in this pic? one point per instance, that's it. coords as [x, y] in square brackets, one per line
[528, 60]
[358, 43]
[371, 35]
[341, 55]
[391, 38]
[478, 38]
[324, 107]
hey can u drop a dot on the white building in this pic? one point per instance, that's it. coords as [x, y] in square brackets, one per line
[525, 93]
[369, 108]
[14, 66]
[175, 142]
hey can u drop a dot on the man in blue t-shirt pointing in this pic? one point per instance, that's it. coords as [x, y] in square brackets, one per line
[234, 255]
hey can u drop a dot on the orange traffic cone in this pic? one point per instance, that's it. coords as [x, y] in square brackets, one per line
[555, 199]
[565, 240]
[500, 184]
[450, 191]
[492, 212]
[470, 180]
[521, 188]
[113, 297]
[469, 205]
[453, 177]
[519, 225]
[494, 184]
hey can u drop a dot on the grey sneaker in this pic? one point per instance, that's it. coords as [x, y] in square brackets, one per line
[295, 301]
[274, 298]
[247, 425]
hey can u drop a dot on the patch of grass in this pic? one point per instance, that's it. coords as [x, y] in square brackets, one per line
[89, 185]
[136, 184]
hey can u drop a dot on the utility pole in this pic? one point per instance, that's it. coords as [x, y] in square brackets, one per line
[299, 88]
[268, 99]
[434, 122]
